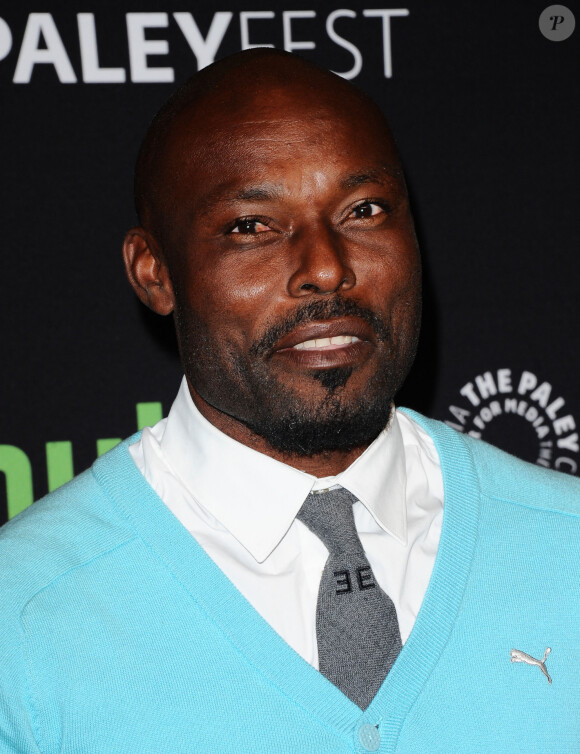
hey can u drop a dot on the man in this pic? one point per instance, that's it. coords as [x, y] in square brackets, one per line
[286, 564]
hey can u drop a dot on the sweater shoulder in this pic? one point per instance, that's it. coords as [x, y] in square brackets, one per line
[62, 531]
[503, 476]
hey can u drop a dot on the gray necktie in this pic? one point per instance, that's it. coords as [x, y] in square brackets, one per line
[356, 622]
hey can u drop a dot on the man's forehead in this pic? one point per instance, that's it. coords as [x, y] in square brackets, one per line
[222, 134]
[212, 130]
[283, 111]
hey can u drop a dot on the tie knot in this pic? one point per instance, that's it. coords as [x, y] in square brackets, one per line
[329, 515]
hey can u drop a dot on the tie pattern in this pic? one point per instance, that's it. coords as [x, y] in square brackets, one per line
[357, 630]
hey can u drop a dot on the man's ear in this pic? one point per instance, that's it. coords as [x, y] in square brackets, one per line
[147, 272]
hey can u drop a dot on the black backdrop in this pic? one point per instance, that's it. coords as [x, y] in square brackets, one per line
[485, 111]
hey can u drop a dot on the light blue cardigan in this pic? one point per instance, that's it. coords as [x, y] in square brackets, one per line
[119, 635]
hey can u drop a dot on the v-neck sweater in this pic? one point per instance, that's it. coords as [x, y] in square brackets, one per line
[118, 634]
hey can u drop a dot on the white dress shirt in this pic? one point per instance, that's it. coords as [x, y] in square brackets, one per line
[241, 506]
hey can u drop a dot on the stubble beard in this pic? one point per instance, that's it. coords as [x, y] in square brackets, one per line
[247, 389]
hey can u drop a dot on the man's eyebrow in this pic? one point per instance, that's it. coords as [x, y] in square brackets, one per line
[253, 193]
[385, 175]
[261, 193]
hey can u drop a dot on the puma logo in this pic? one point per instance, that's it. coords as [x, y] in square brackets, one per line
[518, 656]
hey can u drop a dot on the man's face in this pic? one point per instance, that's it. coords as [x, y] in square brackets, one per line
[295, 269]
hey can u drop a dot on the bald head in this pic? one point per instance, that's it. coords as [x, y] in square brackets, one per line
[249, 84]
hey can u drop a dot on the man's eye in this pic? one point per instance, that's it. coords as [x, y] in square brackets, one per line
[249, 226]
[367, 209]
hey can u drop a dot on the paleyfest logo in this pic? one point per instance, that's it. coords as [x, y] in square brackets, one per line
[150, 39]
[502, 404]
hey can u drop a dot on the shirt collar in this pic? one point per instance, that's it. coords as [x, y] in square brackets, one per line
[239, 486]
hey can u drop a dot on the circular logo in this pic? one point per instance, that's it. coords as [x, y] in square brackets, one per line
[556, 22]
[520, 413]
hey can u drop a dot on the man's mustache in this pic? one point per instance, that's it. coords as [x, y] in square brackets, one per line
[314, 311]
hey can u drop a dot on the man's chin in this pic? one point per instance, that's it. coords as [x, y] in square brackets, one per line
[330, 429]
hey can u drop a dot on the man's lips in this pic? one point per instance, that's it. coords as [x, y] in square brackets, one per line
[323, 330]
[327, 344]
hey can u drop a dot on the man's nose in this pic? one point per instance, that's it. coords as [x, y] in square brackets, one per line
[321, 264]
